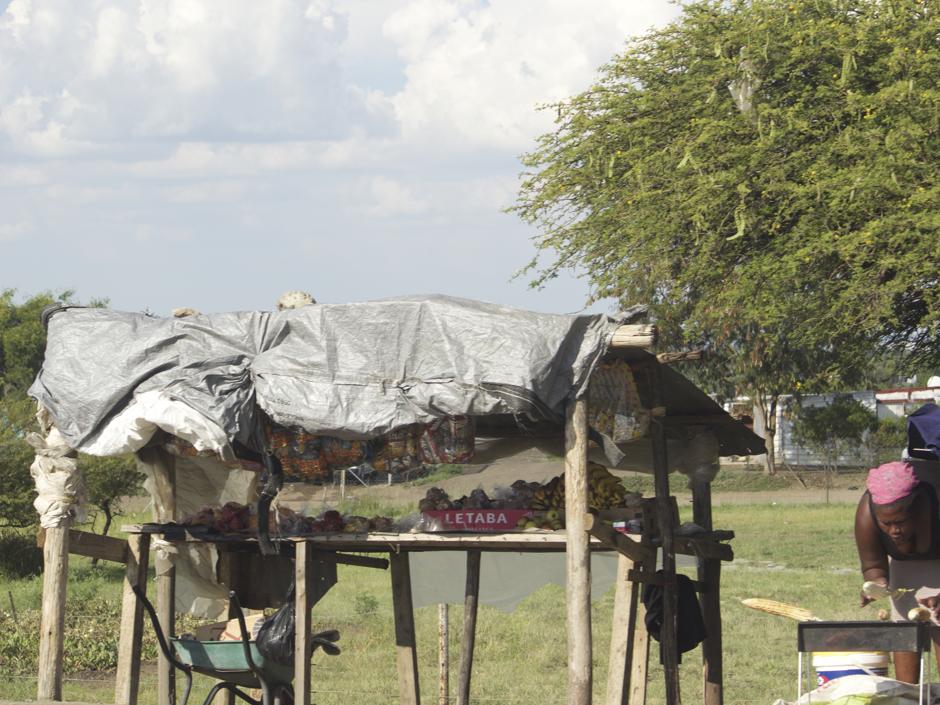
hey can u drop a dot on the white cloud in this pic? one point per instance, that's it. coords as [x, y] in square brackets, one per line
[105, 71]
[9, 232]
[247, 128]
[387, 197]
[477, 70]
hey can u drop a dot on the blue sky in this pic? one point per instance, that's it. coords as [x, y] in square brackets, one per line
[215, 153]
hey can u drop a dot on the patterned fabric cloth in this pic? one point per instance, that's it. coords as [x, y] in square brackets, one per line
[891, 482]
[310, 458]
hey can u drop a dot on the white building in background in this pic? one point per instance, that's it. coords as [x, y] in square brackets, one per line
[886, 403]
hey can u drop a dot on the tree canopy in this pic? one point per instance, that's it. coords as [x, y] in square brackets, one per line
[764, 175]
[22, 347]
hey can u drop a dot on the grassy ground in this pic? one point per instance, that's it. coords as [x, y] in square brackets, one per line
[790, 552]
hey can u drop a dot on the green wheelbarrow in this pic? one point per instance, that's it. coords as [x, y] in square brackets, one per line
[235, 664]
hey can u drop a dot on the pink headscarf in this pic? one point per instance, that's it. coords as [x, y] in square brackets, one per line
[891, 482]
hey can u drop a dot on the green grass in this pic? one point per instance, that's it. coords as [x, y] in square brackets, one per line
[441, 472]
[753, 479]
[804, 555]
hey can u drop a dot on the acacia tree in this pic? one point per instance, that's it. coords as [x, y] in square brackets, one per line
[764, 175]
[108, 481]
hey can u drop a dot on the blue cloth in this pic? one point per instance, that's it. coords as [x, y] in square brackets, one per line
[923, 432]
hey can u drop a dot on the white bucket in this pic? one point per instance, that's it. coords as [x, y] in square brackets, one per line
[830, 665]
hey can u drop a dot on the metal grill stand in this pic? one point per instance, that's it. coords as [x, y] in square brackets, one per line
[864, 636]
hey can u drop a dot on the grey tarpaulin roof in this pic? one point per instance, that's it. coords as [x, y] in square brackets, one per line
[350, 370]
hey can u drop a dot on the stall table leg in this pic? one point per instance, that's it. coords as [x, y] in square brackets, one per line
[127, 680]
[641, 658]
[304, 598]
[709, 574]
[52, 633]
[406, 651]
[665, 520]
[622, 634]
[577, 555]
[471, 599]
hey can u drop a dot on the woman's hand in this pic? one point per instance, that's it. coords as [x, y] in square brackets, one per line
[871, 595]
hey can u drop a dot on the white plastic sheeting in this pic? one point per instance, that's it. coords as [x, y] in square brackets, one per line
[198, 481]
[865, 690]
[61, 491]
[135, 424]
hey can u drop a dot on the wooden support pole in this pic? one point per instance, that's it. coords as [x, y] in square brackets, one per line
[615, 540]
[127, 679]
[668, 358]
[641, 650]
[622, 634]
[163, 468]
[443, 654]
[83, 543]
[405, 647]
[665, 518]
[351, 559]
[303, 606]
[52, 630]
[471, 599]
[577, 555]
[637, 335]
[709, 573]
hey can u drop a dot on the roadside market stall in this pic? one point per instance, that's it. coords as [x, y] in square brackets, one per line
[213, 403]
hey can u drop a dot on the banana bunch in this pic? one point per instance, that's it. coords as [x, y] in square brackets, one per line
[551, 495]
[605, 491]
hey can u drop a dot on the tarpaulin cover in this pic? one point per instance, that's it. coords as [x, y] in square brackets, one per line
[359, 370]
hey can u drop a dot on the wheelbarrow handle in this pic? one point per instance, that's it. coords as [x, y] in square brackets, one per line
[161, 641]
[158, 630]
[236, 607]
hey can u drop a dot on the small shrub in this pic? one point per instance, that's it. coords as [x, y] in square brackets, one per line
[19, 555]
[365, 604]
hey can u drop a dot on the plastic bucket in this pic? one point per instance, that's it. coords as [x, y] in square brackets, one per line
[830, 665]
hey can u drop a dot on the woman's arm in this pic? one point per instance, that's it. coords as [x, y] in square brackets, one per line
[871, 554]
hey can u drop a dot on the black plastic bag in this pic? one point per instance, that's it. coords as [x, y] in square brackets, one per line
[689, 621]
[276, 636]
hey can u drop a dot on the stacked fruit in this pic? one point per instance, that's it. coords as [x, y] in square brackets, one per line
[605, 491]
[238, 518]
[551, 520]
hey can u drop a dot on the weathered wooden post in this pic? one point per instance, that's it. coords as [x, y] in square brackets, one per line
[577, 554]
[303, 596]
[709, 574]
[665, 518]
[471, 599]
[60, 495]
[162, 468]
[405, 647]
[127, 679]
[55, 554]
[443, 653]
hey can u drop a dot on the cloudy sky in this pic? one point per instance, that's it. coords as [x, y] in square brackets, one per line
[214, 153]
